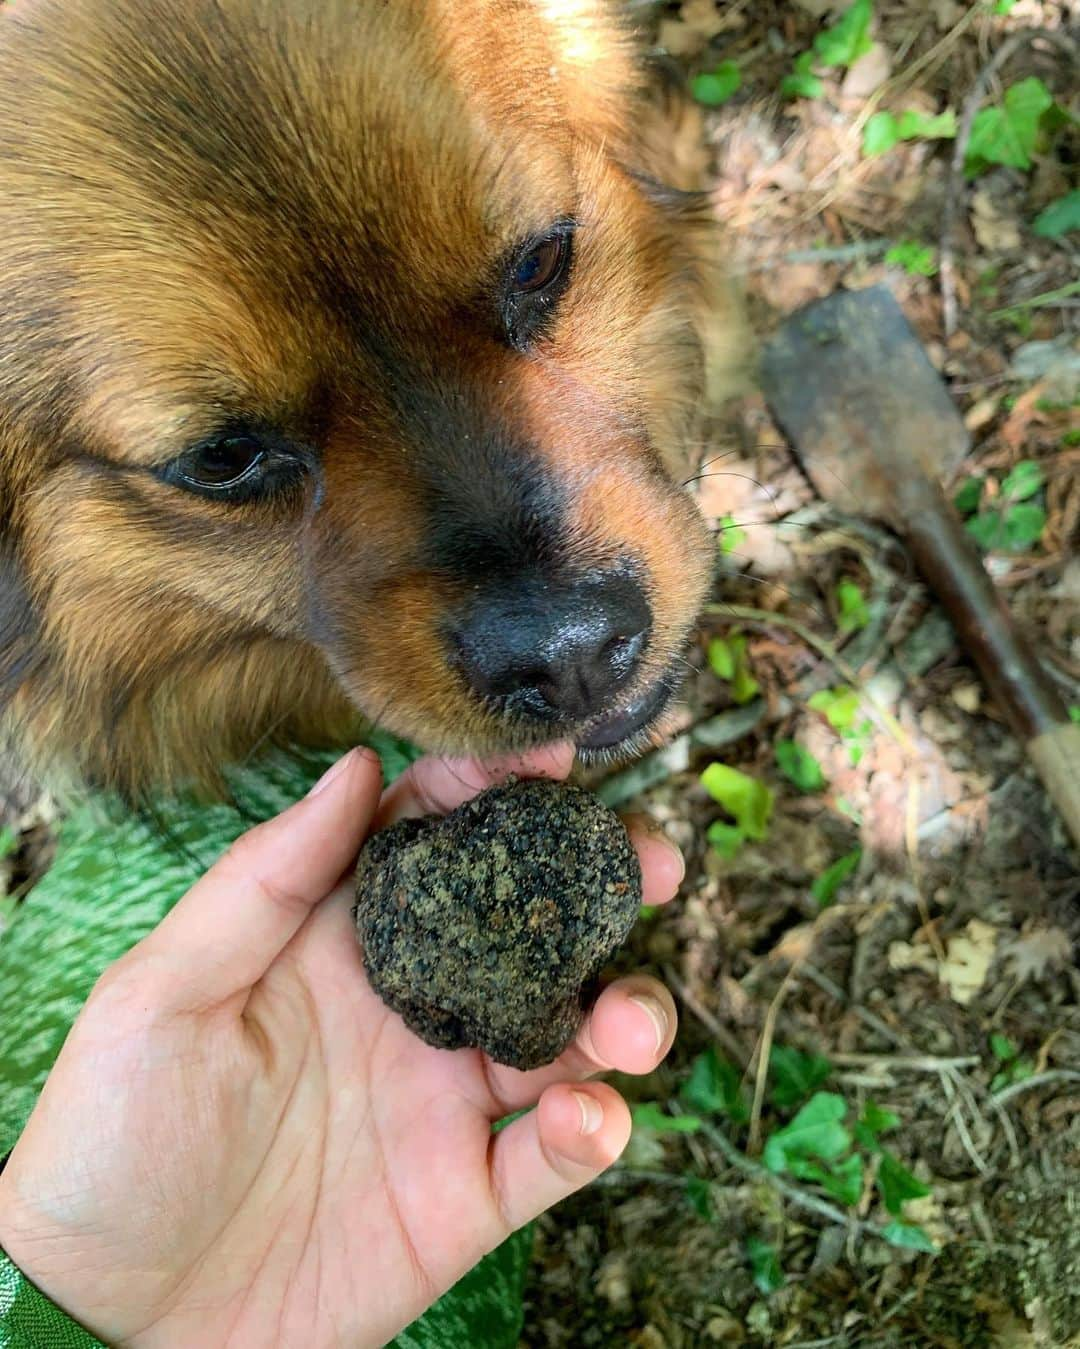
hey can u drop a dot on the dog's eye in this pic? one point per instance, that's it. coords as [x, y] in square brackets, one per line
[542, 265]
[221, 465]
[537, 277]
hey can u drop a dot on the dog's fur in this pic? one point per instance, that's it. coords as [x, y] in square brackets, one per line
[296, 216]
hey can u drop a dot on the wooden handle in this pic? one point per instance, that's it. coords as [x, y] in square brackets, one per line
[1019, 684]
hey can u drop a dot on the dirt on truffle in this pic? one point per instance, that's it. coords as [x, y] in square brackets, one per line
[487, 928]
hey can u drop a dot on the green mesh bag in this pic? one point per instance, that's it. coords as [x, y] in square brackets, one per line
[115, 877]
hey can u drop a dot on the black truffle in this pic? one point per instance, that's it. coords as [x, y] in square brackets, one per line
[487, 927]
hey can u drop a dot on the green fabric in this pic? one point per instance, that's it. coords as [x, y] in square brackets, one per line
[114, 878]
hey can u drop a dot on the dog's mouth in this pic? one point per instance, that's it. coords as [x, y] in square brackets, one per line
[627, 729]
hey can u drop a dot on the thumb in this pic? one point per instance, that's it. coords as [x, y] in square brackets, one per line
[228, 929]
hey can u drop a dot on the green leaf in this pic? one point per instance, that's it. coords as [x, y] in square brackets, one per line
[1060, 217]
[721, 658]
[1004, 6]
[1023, 481]
[699, 1197]
[1024, 525]
[826, 885]
[844, 1180]
[799, 766]
[908, 1236]
[764, 1265]
[815, 1132]
[1002, 1047]
[8, 842]
[731, 536]
[848, 39]
[1009, 134]
[1074, 713]
[802, 82]
[914, 126]
[968, 495]
[717, 86]
[854, 614]
[985, 529]
[795, 1075]
[897, 1184]
[726, 838]
[746, 800]
[714, 1087]
[881, 133]
[839, 706]
[872, 1123]
[916, 259]
[652, 1117]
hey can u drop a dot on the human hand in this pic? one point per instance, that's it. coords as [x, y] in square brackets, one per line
[239, 1144]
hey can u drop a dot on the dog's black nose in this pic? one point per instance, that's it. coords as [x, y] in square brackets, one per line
[554, 650]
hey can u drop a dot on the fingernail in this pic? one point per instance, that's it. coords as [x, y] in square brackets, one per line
[592, 1114]
[334, 771]
[676, 852]
[656, 1015]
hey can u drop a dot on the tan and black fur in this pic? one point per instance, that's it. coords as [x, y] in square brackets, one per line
[295, 216]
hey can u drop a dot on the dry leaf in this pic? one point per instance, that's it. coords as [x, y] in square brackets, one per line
[996, 231]
[968, 957]
[1035, 952]
[868, 73]
[904, 956]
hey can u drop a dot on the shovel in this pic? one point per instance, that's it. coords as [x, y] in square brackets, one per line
[876, 431]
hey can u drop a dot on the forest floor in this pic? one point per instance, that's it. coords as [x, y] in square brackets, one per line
[921, 1016]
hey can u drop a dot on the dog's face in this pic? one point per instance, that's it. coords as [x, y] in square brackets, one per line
[348, 360]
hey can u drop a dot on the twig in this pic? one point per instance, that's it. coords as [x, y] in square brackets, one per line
[1030, 1083]
[955, 1113]
[972, 104]
[719, 1032]
[915, 1063]
[761, 1063]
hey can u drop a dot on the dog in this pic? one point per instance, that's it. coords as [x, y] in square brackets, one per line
[353, 357]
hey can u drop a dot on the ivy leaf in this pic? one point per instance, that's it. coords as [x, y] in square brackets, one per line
[908, 1236]
[985, 529]
[854, 614]
[714, 1087]
[848, 39]
[968, 495]
[873, 1122]
[1060, 217]
[728, 661]
[815, 1132]
[652, 1117]
[826, 885]
[919, 126]
[880, 134]
[897, 1184]
[1023, 527]
[844, 1180]
[746, 800]
[802, 82]
[799, 766]
[726, 838]
[795, 1074]
[721, 658]
[730, 533]
[1023, 481]
[839, 706]
[764, 1265]
[717, 86]
[1009, 134]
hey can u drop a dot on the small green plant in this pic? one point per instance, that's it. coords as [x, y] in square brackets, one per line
[1060, 217]
[840, 708]
[728, 661]
[840, 45]
[1015, 1067]
[715, 1087]
[748, 802]
[1011, 132]
[795, 1075]
[713, 87]
[851, 602]
[825, 887]
[764, 1265]
[916, 259]
[799, 766]
[884, 130]
[730, 535]
[1012, 522]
